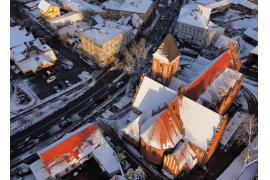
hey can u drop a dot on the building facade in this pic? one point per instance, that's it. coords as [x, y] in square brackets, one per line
[104, 41]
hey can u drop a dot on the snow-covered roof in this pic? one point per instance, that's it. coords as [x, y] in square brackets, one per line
[39, 170]
[151, 95]
[232, 126]
[104, 154]
[161, 133]
[175, 83]
[73, 148]
[248, 4]
[32, 4]
[184, 154]
[218, 4]
[80, 5]
[44, 5]
[105, 31]
[200, 123]
[220, 87]
[167, 51]
[223, 41]
[136, 20]
[195, 15]
[254, 50]
[19, 35]
[251, 33]
[136, 6]
[133, 128]
[67, 18]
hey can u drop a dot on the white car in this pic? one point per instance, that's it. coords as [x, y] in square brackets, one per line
[51, 79]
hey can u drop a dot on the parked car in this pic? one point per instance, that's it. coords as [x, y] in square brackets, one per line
[49, 73]
[56, 88]
[68, 83]
[65, 123]
[162, 18]
[62, 85]
[51, 79]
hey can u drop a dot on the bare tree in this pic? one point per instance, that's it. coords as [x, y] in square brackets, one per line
[134, 57]
[250, 154]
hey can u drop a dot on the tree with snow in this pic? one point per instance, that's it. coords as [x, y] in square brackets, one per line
[250, 155]
[139, 174]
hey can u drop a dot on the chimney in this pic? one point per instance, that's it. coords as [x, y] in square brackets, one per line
[181, 91]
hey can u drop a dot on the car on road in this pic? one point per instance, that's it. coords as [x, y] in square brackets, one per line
[56, 88]
[119, 84]
[162, 18]
[156, 29]
[49, 73]
[68, 83]
[66, 64]
[51, 79]
[54, 130]
[65, 123]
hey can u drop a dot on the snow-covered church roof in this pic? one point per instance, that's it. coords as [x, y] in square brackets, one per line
[200, 123]
[152, 95]
[168, 50]
[161, 132]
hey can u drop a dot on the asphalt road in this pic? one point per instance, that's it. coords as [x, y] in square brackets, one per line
[23, 141]
[163, 27]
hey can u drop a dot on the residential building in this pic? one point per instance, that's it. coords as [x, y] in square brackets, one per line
[166, 61]
[29, 54]
[120, 8]
[105, 40]
[194, 27]
[49, 9]
[80, 6]
[72, 150]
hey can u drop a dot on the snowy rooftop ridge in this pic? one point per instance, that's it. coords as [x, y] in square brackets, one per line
[137, 6]
[195, 15]
[80, 5]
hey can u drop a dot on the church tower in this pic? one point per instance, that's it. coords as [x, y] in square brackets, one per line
[166, 61]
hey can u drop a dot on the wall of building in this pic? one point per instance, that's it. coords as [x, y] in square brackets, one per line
[151, 154]
[192, 34]
[163, 72]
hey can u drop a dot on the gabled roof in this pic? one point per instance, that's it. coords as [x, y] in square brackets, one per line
[152, 95]
[168, 50]
[161, 131]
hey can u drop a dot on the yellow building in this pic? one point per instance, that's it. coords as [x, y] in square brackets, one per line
[102, 42]
[49, 9]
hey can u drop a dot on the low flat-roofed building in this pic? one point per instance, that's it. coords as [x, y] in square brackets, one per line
[105, 40]
[245, 6]
[119, 8]
[49, 9]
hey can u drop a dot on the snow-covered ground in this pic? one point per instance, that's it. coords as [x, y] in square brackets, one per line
[233, 172]
[15, 105]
